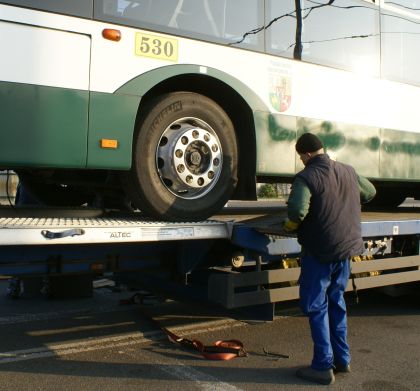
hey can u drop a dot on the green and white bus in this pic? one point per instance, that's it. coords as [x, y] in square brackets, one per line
[177, 106]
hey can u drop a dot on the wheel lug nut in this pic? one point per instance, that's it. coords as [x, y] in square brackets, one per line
[214, 148]
[189, 179]
[180, 168]
[179, 153]
[206, 137]
[184, 140]
[195, 134]
[210, 175]
[200, 181]
[216, 162]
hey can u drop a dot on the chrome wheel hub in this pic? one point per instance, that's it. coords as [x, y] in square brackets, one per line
[189, 158]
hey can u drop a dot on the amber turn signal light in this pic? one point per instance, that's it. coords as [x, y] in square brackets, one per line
[111, 34]
[108, 143]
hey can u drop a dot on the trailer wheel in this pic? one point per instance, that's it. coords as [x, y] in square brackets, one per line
[184, 158]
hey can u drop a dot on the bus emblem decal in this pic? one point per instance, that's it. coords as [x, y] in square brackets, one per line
[280, 87]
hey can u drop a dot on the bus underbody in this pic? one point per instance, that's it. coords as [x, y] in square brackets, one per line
[105, 189]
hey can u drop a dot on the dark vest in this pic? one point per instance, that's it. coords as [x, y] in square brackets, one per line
[331, 230]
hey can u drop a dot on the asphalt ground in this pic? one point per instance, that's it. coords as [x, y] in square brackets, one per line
[98, 344]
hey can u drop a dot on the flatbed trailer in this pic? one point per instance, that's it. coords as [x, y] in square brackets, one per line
[233, 260]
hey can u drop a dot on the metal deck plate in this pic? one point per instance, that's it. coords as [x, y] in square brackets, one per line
[77, 230]
[264, 233]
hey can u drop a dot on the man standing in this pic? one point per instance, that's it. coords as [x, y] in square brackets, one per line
[324, 208]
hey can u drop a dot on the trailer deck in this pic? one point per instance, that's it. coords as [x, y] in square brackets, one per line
[36, 243]
[33, 226]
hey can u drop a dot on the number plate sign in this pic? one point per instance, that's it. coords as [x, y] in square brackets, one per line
[156, 47]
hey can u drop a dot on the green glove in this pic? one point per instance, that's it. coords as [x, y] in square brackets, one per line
[290, 226]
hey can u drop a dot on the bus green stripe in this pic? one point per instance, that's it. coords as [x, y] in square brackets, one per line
[34, 136]
[65, 136]
[374, 152]
[57, 131]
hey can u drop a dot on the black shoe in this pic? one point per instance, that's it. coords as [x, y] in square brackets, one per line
[322, 377]
[342, 368]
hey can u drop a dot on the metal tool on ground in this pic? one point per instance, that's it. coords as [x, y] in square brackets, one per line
[275, 354]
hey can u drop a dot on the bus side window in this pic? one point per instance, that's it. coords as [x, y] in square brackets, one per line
[228, 20]
[81, 8]
[400, 40]
[242, 17]
[197, 16]
[327, 33]
[194, 16]
[157, 12]
[223, 21]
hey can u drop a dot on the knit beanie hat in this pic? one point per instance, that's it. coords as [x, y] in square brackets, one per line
[308, 142]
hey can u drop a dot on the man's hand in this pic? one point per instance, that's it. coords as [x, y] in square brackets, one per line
[290, 226]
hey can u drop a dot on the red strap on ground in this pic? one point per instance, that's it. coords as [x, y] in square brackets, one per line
[220, 350]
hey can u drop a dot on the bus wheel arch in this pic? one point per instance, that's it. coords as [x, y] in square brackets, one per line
[238, 110]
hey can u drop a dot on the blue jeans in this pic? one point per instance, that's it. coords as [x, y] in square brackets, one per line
[322, 287]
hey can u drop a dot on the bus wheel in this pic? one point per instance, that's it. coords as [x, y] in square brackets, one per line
[184, 158]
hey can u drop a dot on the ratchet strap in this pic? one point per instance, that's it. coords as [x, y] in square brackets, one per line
[220, 350]
[353, 283]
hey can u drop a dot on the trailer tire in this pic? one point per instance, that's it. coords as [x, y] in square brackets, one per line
[184, 158]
